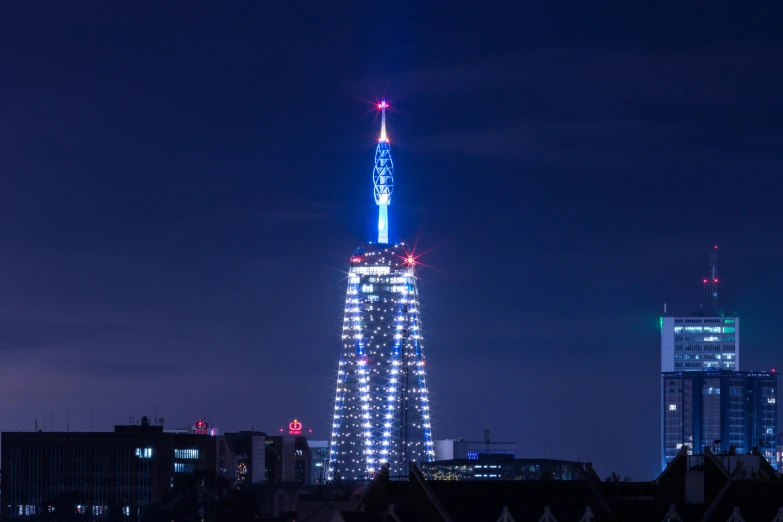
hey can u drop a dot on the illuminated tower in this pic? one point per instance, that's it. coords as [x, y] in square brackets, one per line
[381, 410]
[383, 178]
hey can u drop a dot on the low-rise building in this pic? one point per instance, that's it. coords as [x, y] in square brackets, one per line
[128, 469]
[501, 467]
[450, 449]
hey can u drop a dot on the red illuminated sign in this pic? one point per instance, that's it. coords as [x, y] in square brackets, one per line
[201, 427]
[295, 428]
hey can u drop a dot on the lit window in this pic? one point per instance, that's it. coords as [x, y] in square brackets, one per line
[728, 329]
[185, 453]
[374, 270]
[144, 453]
[672, 407]
[180, 467]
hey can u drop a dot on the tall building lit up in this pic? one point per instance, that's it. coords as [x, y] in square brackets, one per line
[381, 408]
[721, 410]
[705, 340]
[706, 401]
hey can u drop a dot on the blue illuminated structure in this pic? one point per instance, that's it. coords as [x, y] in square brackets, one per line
[381, 410]
[383, 178]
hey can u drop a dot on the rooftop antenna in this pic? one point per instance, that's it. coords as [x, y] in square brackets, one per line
[67, 421]
[92, 411]
[383, 177]
[664, 309]
[713, 283]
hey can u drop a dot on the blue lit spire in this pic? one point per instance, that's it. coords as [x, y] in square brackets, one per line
[383, 178]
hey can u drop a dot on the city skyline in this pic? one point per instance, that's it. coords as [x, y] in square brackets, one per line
[180, 188]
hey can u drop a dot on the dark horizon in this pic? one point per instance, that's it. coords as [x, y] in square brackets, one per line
[183, 186]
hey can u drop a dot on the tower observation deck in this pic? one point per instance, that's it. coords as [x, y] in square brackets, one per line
[381, 410]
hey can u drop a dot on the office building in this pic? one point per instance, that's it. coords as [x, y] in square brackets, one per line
[381, 409]
[242, 457]
[705, 340]
[253, 457]
[319, 458]
[450, 449]
[700, 343]
[128, 469]
[723, 411]
[501, 467]
[288, 459]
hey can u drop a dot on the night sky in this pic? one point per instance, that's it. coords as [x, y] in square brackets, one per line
[183, 183]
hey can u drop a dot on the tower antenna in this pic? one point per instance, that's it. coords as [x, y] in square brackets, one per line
[713, 283]
[383, 178]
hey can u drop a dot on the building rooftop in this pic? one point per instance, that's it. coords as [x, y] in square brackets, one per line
[706, 488]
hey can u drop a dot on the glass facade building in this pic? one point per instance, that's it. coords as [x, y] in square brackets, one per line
[699, 343]
[719, 410]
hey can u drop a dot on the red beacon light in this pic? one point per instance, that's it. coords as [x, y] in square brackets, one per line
[383, 104]
[411, 260]
[705, 280]
[356, 259]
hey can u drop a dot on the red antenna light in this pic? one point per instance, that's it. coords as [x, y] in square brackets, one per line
[705, 280]
[716, 280]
